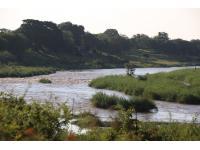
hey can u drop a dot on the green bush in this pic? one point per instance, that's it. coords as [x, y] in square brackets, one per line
[44, 80]
[87, 120]
[31, 121]
[102, 100]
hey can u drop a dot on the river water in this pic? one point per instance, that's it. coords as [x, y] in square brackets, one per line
[72, 87]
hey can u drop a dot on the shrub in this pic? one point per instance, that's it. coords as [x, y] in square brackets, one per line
[102, 100]
[87, 120]
[44, 80]
[143, 105]
[31, 121]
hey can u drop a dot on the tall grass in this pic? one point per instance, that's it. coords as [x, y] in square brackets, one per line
[182, 86]
[104, 101]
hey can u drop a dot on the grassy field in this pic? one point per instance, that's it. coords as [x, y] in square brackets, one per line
[23, 71]
[102, 100]
[182, 86]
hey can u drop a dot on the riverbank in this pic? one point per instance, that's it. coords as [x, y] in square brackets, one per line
[72, 85]
[182, 86]
[24, 71]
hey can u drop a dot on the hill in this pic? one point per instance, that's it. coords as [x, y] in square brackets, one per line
[68, 46]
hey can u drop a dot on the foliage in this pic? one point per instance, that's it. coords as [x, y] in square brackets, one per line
[126, 127]
[31, 121]
[102, 100]
[22, 71]
[44, 80]
[35, 121]
[151, 131]
[181, 86]
[68, 46]
[87, 120]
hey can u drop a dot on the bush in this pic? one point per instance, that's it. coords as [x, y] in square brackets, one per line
[142, 77]
[34, 121]
[143, 105]
[102, 100]
[44, 80]
[87, 120]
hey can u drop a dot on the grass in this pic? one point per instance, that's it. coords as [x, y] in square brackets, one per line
[147, 131]
[125, 128]
[44, 80]
[23, 71]
[182, 86]
[104, 101]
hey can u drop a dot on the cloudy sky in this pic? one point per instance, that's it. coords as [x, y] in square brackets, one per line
[178, 23]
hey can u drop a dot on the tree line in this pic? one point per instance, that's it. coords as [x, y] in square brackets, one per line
[45, 43]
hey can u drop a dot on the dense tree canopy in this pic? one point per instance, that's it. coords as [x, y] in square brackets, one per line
[46, 43]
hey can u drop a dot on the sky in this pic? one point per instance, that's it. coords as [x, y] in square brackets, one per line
[177, 22]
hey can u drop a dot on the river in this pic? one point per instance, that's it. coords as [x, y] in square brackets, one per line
[72, 87]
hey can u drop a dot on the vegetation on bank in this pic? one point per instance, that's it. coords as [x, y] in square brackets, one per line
[126, 128]
[182, 86]
[102, 100]
[87, 120]
[23, 71]
[147, 131]
[44, 80]
[32, 121]
[44, 121]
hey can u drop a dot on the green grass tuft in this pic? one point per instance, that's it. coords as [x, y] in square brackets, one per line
[104, 101]
[44, 80]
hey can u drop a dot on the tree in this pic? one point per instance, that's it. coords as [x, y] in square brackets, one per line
[42, 34]
[162, 36]
[130, 68]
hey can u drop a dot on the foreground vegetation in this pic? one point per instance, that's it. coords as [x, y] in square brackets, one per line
[182, 86]
[126, 127]
[35, 121]
[102, 100]
[22, 121]
[87, 120]
[22, 71]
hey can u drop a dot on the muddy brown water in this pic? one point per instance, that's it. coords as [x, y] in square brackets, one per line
[72, 87]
